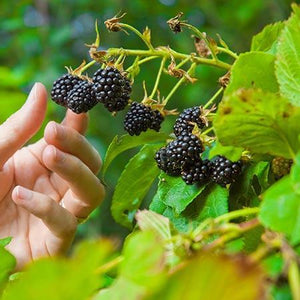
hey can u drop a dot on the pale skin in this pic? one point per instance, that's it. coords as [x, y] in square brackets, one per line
[46, 186]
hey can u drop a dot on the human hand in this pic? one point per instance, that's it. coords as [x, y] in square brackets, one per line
[47, 186]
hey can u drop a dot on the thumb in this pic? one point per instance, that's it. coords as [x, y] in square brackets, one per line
[23, 124]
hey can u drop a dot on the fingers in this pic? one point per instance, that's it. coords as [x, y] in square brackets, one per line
[69, 140]
[58, 220]
[22, 125]
[79, 122]
[86, 187]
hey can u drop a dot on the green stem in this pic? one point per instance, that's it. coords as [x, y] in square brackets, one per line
[208, 130]
[237, 214]
[294, 279]
[163, 61]
[178, 84]
[88, 65]
[119, 59]
[139, 34]
[202, 36]
[184, 61]
[169, 53]
[141, 62]
[213, 98]
[109, 265]
[227, 51]
[226, 217]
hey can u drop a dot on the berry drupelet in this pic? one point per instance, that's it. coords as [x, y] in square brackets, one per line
[81, 98]
[61, 88]
[140, 118]
[185, 149]
[111, 88]
[165, 164]
[281, 166]
[188, 116]
[225, 171]
[197, 172]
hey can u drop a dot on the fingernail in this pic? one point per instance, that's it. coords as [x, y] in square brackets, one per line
[32, 94]
[58, 155]
[59, 131]
[23, 193]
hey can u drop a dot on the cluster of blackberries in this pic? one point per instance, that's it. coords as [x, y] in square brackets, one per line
[182, 156]
[141, 118]
[108, 86]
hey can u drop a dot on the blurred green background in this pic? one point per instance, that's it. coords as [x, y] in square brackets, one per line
[38, 38]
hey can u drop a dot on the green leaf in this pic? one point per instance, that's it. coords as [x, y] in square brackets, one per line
[206, 277]
[4, 242]
[267, 39]
[216, 202]
[230, 152]
[253, 70]
[122, 289]
[280, 209]
[144, 257]
[122, 143]
[142, 271]
[288, 60]
[57, 278]
[260, 122]
[243, 192]
[133, 184]
[176, 194]
[149, 220]
[7, 265]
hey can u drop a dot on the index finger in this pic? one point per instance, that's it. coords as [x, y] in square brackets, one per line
[23, 124]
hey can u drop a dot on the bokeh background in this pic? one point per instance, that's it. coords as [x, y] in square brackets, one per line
[38, 38]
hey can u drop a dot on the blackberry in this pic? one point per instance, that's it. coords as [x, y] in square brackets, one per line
[197, 172]
[140, 118]
[183, 122]
[225, 171]
[281, 166]
[81, 98]
[111, 88]
[185, 149]
[62, 86]
[164, 163]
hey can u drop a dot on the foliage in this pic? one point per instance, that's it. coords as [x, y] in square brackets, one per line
[196, 241]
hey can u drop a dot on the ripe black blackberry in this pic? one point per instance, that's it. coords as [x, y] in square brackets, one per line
[111, 88]
[185, 149]
[61, 88]
[281, 166]
[164, 163]
[197, 172]
[81, 98]
[140, 118]
[225, 171]
[183, 122]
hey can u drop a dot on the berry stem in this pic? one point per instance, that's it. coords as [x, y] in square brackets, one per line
[203, 36]
[227, 51]
[109, 265]
[225, 218]
[138, 33]
[184, 61]
[213, 98]
[87, 66]
[169, 53]
[141, 62]
[178, 84]
[294, 279]
[208, 130]
[163, 61]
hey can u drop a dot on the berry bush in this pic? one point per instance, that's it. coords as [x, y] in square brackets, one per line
[224, 220]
